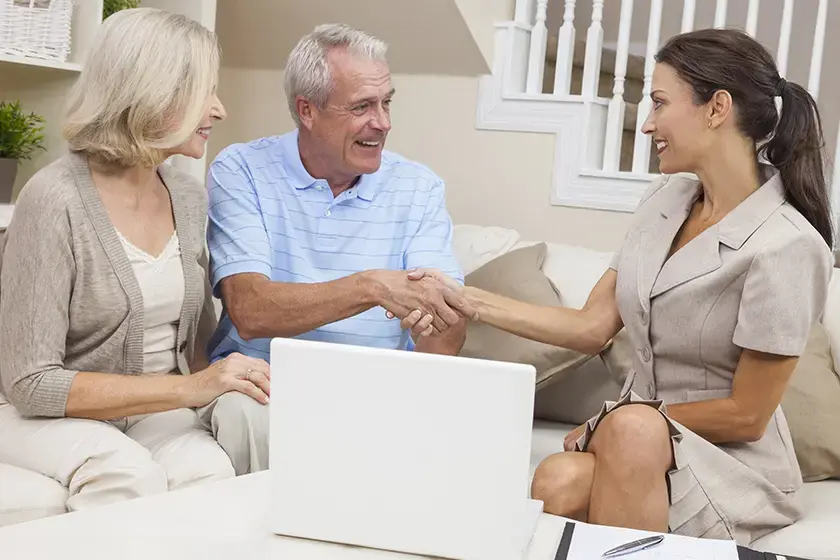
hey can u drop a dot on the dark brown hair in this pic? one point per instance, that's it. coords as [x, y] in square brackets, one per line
[710, 60]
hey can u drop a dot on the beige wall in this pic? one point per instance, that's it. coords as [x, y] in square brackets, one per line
[261, 36]
[43, 92]
[493, 178]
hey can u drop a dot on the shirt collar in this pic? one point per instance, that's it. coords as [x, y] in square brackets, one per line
[300, 177]
[742, 221]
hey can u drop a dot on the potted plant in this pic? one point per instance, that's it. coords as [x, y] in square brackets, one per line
[111, 6]
[20, 135]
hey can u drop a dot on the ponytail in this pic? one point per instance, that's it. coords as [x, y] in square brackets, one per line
[796, 151]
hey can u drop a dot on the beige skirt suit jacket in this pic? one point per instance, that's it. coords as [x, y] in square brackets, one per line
[757, 280]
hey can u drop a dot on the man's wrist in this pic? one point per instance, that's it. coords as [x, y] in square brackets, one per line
[371, 290]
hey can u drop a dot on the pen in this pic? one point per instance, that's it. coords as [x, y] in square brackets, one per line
[634, 546]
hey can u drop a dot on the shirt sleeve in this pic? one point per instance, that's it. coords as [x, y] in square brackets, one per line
[431, 246]
[784, 295]
[37, 281]
[236, 233]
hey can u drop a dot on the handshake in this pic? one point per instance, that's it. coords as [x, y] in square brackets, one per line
[425, 300]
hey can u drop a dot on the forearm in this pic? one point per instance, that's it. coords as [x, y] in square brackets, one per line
[266, 309]
[106, 396]
[448, 343]
[578, 330]
[718, 420]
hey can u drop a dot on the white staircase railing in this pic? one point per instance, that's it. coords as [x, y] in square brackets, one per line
[593, 166]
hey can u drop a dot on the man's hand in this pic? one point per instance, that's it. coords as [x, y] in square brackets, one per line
[455, 294]
[401, 296]
[420, 325]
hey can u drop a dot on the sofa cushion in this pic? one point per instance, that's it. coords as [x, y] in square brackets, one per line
[474, 246]
[518, 275]
[577, 395]
[812, 410]
[814, 536]
[26, 495]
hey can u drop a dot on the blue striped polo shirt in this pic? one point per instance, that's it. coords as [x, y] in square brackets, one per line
[270, 216]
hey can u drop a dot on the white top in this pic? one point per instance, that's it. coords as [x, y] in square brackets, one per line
[161, 281]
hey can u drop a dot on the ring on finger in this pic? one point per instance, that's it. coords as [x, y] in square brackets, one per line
[248, 374]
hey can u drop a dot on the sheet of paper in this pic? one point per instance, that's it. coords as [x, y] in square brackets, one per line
[591, 541]
[533, 509]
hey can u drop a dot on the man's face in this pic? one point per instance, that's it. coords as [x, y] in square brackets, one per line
[351, 129]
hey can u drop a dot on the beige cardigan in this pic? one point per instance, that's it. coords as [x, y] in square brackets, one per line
[69, 300]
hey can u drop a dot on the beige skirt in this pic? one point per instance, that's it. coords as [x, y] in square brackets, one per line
[712, 494]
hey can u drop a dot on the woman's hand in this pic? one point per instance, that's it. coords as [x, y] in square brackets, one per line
[572, 437]
[250, 376]
[453, 292]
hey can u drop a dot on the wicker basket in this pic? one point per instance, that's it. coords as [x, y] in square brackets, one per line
[36, 28]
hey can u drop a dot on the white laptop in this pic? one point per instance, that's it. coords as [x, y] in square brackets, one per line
[401, 451]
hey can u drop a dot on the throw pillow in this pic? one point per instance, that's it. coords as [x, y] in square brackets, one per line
[811, 407]
[518, 275]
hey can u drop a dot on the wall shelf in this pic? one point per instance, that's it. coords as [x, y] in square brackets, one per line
[40, 63]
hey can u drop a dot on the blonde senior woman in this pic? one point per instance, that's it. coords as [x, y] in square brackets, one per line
[105, 301]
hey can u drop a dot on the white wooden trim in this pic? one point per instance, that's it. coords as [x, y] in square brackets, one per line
[594, 49]
[818, 49]
[752, 18]
[689, 8]
[642, 145]
[536, 55]
[784, 38]
[720, 14]
[565, 51]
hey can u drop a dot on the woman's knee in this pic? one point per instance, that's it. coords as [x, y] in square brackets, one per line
[120, 473]
[633, 432]
[561, 474]
[207, 462]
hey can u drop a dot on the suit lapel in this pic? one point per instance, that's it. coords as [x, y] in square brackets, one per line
[657, 237]
[698, 257]
[702, 255]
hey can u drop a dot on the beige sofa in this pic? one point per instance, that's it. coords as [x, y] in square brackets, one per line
[580, 390]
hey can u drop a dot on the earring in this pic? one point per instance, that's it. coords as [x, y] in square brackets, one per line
[710, 124]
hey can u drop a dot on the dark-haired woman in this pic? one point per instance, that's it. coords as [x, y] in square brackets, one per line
[718, 284]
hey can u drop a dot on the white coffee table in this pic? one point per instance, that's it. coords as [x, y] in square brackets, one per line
[224, 520]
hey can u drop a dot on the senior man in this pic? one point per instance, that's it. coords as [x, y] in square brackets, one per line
[311, 232]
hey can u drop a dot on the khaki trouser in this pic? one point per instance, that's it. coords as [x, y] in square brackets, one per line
[105, 462]
[240, 425]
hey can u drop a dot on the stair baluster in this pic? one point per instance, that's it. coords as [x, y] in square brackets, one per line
[615, 112]
[594, 48]
[524, 12]
[565, 51]
[641, 148]
[536, 57]
[784, 37]
[817, 52]
[689, 7]
[752, 18]
[720, 14]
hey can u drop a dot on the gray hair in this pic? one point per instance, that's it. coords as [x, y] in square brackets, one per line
[307, 72]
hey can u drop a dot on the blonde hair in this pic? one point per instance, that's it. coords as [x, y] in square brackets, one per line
[144, 87]
[307, 72]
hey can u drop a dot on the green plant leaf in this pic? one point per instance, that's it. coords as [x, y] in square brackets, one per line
[111, 6]
[21, 134]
